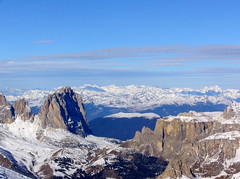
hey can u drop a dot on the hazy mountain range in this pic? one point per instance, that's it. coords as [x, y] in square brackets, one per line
[105, 100]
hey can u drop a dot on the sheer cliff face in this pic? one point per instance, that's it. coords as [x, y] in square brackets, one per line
[194, 144]
[65, 110]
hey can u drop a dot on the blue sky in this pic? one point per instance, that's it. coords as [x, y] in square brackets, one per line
[164, 43]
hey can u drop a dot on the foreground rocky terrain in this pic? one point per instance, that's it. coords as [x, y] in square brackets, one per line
[58, 143]
[202, 145]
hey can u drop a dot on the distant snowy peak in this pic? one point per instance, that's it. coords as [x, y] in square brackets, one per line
[231, 115]
[133, 115]
[193, 116]
[136, 98]
[212, 88]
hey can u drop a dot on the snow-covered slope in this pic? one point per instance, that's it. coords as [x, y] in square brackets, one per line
[6, 173]
[34, 147]
[133, 115]
[192, 143]
[50, 152]
[37, 146]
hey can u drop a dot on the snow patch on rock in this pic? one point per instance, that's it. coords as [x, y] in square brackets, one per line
[233, 135]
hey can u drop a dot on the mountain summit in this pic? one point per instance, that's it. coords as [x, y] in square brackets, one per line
[65, 110]
[6, 111]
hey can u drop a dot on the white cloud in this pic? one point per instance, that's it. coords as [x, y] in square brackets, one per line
[43, 42]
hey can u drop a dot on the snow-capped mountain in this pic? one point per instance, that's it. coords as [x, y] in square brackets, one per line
[105, 100]
[49, 145]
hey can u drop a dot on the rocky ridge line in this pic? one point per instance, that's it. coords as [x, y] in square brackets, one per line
[194, 147]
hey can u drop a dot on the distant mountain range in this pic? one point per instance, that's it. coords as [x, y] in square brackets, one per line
[101, 101]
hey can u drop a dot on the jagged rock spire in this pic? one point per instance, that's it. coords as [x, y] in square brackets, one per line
[65, 110]
[6, 111]
[22, 109]
[3, 101]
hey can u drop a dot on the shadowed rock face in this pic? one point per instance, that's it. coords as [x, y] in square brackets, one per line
[6, 111]
[65, 110]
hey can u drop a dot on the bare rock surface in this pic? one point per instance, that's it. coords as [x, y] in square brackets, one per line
[65, 110]
[6, 111]
[22, 109]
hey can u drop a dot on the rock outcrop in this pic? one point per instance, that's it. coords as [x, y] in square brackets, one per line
[232, 112]
[6, 111]
[65, 110]
[19, 108]
[194, 144]
[3, 101]
[22, 109]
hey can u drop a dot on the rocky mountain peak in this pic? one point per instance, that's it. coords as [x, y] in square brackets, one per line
[65, 110]
[66, 89]
[3, 101]
[6, 111]
[22, 109]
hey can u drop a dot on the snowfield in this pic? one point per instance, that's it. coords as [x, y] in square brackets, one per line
[133, 115]
[31, 146]
[6, 173]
